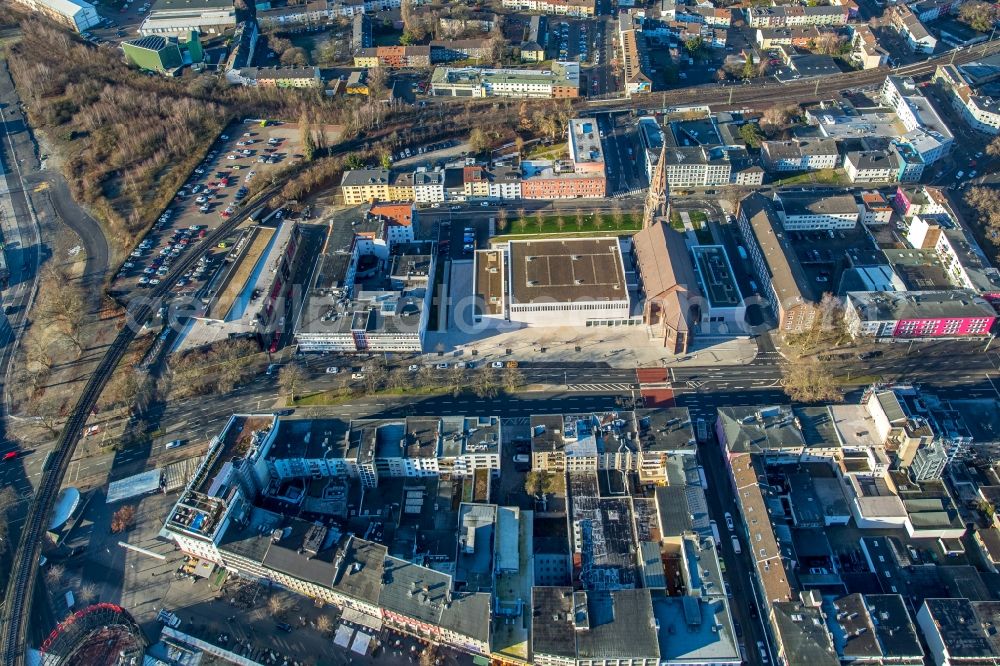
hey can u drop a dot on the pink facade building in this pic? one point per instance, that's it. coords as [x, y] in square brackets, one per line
[957, 313]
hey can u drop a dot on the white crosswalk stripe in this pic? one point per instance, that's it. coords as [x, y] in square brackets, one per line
[601, 387]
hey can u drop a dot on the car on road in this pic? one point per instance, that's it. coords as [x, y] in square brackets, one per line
[284, 412]
[174, 443]
[763, 652]
[413, 368]
[511, 364]
[357, 375]
[332, 370]
[284, 626]
[496, 364]
[864, 356]
[736, 545]
[271, 369]
[442, 366]
[729, 520]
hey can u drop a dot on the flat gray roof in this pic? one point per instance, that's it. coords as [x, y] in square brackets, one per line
[701, 630]
[807, 203]
[563, 271]
[716, 276]
[190, 5]
[621, 626]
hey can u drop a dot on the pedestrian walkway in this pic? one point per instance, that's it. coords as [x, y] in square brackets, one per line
[600, 388]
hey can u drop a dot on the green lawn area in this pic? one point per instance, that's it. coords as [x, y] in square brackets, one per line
[383, 37]
[675, 221]
[591, 224]
[698, 218]
[339, 395]
[540, 152]
[859, 380]
[824, 176]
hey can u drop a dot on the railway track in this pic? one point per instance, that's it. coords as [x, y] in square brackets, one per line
[801, 91]
[24, 570]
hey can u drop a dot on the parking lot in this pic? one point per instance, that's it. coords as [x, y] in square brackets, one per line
[574, 39]
[215, 191]
[413, 155]
[121, 20]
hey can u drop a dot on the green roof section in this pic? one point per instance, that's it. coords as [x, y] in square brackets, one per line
[156, 53]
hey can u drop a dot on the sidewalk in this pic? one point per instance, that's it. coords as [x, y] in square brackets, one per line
[621, 347]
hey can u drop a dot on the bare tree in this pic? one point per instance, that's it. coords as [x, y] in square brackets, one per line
[429, 655]
[479, 141]
[980, 16]
[779, 116]
[617, 215]
[457, 380]
[426, 376]
[829, 43]
[290, 379]
[375, 375]
[578, 214]
[277, 603]
[539, 219]
[513, 379]
[809, 382]
[502, 220]
[486, 383]
[54, 575]
[48, 413]
[123, 519]
[324, 624]
[398, 379]
[7, 499]
[87, 592]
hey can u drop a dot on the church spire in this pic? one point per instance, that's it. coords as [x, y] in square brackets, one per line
[657, 203]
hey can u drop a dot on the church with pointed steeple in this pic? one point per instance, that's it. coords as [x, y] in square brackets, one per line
[666, 272]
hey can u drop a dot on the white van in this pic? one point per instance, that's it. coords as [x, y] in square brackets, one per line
[736, 546]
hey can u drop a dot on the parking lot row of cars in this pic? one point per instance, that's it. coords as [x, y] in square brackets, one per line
[410, 152]
[357, 373]
[153, 266]
[582, 47]
[212, 187]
